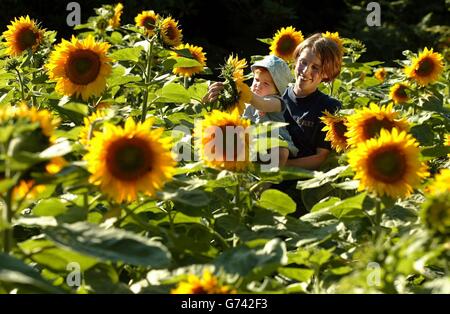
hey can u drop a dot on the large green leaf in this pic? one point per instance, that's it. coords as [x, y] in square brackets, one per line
[50, 207]
[173, 92]
[18, 274]
[277, 201]
[46, 253]
[110, 244]
[127, 54]
[254, 263]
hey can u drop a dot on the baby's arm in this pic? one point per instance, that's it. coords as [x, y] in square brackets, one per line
[266, 103]
[262, 103]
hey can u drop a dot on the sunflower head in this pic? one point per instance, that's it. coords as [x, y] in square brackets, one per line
[398, 93]
[197, 54]
[80, 67]
[47, 123]
[114, 22]
[447, 141]
[335, 37]
[223, 140]
[234, 68]
[127, 160]
[171, 35]
[207, 284]
[388, 165]
[27, 189]
[23, 34]
[381, 74]
[91, 124]
[284, 43]
[366, 123]
[336, 128]
[55, 165]
[147, 20]
[425, 68]
[436, 209]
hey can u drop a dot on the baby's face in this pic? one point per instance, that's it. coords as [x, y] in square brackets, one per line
[263, 84]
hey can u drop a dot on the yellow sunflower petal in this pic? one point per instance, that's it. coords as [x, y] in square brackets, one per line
[425, 68]
[22, 34]
[171, 35]
[284, 43]
[211, 141]
[197, 54]
[388, 165]
[336, 129]
[80, 67]
[125, 161]
[147, 20]
[366, 123]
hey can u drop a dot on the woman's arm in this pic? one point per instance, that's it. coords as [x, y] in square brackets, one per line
[312, 162]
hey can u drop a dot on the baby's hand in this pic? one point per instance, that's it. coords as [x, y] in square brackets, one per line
[214, 91]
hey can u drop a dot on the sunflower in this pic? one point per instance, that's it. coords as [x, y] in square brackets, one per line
[89, 125]
[114, 22]
[125, 161]
[216, 127]
[440, 185]
[388, 164]
[336, 129]
[147, 19]
[284, 43]
[436, 213]
[380, 74]
[207, 284]
[45, 119]
[22, 34]
[366, 123]
[425, 68]
[244, 97]
[55, 165]
[335, 37]
[447, 141]
[28, 189]
[398, 93]
[197, 54]
[80, 67]
[436, 209]
[236, 67]
[170, 33]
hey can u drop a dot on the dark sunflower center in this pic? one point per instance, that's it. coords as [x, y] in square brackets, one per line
[129, 159]
[401, 92]
[340, 128]
[426, 67]
[233, 143]
[373, 126]
[387, 165]
[149, 23]
[286, 45]
[171, 33]
[83, 67]
[199, 290]
[26, 39]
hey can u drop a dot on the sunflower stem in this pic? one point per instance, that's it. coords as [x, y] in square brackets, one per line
[378, 215]
[8, 232]
[148, 73]
[20, 83]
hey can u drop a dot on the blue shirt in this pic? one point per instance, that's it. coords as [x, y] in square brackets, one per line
[303, 115]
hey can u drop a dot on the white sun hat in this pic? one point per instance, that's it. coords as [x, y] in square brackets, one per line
[278, 69]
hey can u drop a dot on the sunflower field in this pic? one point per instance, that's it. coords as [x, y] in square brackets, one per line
[107, 184]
